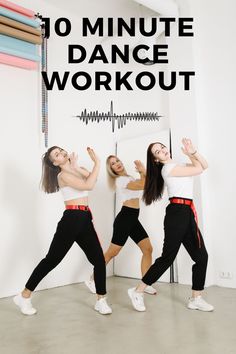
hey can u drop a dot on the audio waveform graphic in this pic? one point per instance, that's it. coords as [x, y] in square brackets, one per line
[114, 118]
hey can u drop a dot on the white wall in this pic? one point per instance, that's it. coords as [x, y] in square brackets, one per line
[206, 115]
[28, 216]
[183, 123]
[215, 57]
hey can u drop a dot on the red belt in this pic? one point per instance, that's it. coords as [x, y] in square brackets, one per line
[78, 207]
[192, 206]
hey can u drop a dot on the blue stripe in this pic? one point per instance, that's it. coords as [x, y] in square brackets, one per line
[21, 18]
[20, 54]
[17, 44]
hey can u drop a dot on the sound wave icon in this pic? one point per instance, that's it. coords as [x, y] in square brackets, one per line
[119, 118]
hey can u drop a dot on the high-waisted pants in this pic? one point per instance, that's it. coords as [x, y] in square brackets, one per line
[74, 226]
[180, 228]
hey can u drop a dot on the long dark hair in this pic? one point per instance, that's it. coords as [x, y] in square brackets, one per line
[49, 183]
[154, 183]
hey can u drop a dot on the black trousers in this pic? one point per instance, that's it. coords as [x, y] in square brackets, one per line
[75, 226]
[127, 224]
[180, 227]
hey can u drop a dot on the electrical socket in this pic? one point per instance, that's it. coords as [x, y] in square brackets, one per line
[226, 275]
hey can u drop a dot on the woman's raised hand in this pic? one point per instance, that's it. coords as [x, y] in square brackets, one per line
[139, 166]
[188, 148]
[73, 159]
[93, 156]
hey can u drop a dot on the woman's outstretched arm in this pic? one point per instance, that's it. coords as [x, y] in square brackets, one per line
[73, 181]
[193, 154]
[197, 165]
[138, 184]
[74, 165]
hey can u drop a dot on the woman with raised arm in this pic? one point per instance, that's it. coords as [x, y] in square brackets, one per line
[126, 222]
[180, 224]
[61, 172]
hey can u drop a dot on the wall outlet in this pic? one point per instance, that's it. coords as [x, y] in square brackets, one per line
[226, 275]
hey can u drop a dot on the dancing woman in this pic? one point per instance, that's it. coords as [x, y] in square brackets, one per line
[61, 172]
[180, 222]
[126, 222]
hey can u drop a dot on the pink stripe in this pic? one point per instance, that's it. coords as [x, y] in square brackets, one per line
[22, 10]
[19, 62]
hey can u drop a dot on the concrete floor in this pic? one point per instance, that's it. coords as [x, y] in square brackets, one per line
[67, 324]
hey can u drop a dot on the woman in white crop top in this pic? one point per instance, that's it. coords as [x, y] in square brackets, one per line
[126, 222]
[180, 224]
[61, 172]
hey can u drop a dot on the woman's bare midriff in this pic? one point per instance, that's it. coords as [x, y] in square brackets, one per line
[78, 201]
[132, 203]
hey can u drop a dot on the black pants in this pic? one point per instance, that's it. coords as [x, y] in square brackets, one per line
[180, 227]
[127, 224]
[75, 226]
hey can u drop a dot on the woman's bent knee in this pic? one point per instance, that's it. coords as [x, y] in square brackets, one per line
[147, 251]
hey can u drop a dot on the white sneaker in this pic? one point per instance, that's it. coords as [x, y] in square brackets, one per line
[150, 290]
[102, 307]
[91, 285]
[137, 300]
[24, 305]
[198, 303]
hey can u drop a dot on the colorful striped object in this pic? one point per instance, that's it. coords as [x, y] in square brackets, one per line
[21, 18]
[18, 48]
[22, 10]
[18, 44]
[15, 33]
[18, 25]
[19, 35]
[18, 62]
[19, 54]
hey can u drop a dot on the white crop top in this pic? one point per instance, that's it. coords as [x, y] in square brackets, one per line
[70, 193]
[125, 193]
[177, 186]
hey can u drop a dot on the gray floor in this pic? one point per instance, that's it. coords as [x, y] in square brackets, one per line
[66, 323]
